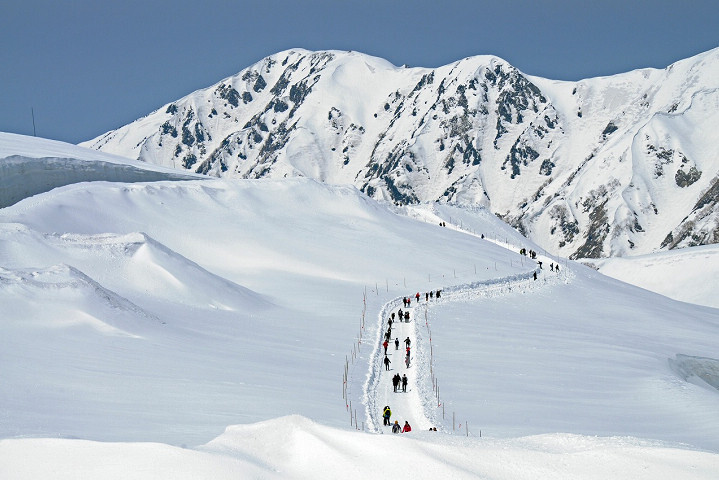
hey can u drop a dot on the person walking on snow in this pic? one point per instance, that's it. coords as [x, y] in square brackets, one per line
[385, 344]
[417, 297]
[406, 428]
[404, 383]
[395, 382]
[396, 428]
[386, 413]
[386, 363]
[407, 341]
[396, 343]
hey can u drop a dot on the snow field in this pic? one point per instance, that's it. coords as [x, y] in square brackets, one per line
[141, 321]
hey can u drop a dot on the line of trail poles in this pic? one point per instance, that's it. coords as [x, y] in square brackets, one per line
[354, 420]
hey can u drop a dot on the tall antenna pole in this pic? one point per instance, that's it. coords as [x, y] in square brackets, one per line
[34, 134]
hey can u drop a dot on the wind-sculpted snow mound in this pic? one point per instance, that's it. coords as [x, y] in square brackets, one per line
[294, 447]
[133, 264]
[77, 301]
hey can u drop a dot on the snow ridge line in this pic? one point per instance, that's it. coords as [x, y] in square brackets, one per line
[521, 282]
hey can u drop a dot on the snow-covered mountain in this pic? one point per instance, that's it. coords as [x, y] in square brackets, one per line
[610, 166]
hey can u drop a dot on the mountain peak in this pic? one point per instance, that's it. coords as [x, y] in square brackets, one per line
[591, 168]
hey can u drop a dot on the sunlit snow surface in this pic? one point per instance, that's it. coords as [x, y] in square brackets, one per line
[687, 274]
[200, 329]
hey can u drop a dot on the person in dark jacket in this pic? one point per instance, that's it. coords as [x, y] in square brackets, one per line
[396, 428]
[404, 383]
[395, 382]
[386, 413]
[386, 362]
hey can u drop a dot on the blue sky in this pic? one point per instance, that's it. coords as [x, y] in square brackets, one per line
[88, 66]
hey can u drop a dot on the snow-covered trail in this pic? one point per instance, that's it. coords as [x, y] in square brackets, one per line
[406, 406]
[419, 405]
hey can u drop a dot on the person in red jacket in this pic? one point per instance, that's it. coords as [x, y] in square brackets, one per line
[406, 428]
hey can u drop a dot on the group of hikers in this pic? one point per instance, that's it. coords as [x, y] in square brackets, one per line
[407, 343]
[533, 255]
[398, 380]
[407, 301]
[396, 428]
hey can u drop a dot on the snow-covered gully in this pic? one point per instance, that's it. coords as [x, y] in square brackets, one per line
[419, 405]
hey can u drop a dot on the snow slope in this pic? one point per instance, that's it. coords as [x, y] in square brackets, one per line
[689, 274]
[203, 328]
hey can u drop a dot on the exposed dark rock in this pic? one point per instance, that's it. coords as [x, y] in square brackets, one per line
[520, 155]
[546, 167]
[166, 128]
[228, 93]
[684, 180]
[597, 232]
[259, 85]
[608, 130]
[189, 160]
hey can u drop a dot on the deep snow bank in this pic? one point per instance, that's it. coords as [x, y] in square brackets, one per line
[29, 166]
[296, 448]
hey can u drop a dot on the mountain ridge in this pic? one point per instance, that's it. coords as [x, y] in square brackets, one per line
[609, 166]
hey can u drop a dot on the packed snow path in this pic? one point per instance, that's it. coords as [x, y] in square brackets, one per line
[419, 405]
